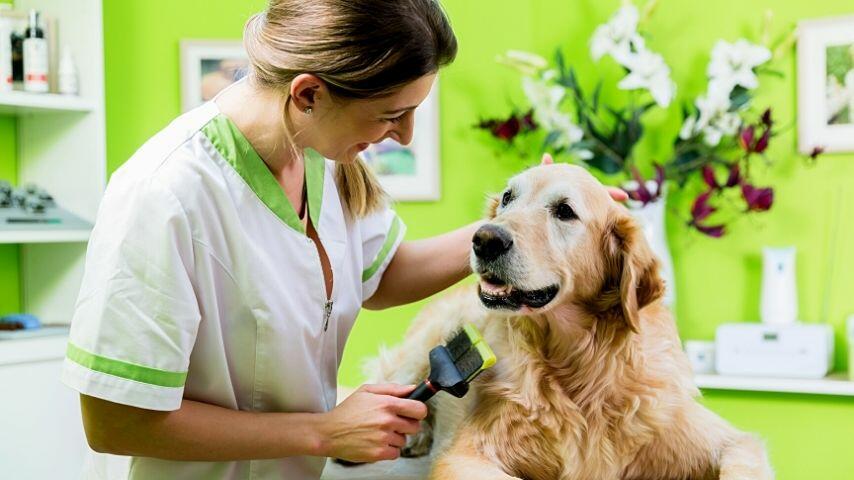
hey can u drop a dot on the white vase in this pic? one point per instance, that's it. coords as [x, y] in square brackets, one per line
[650, 217]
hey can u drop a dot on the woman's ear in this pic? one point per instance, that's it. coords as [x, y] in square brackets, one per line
[306, 89]
[632, 266]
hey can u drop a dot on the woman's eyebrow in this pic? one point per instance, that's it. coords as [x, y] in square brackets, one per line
[400, 110]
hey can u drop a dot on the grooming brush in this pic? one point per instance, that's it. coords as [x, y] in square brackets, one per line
[454, 365]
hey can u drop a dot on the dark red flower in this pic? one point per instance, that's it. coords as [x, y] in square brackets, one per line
[714, 231]
[745, 139]
[528, 123]
[758, 199]
[641, 194]
[734, 176]
[766, 118]
[659, 176]
[507, 130]
[709, 177]
[762, 143]
[701, 208]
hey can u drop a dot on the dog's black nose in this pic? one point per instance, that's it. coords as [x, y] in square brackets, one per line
[491, 241]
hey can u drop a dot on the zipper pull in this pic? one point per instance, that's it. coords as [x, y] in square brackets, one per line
[327, 312]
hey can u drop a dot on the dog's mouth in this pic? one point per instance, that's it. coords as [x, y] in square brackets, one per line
[496, 293]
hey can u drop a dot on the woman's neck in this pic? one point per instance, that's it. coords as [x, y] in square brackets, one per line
[258, 114]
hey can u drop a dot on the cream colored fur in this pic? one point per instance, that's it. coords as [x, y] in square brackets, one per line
[593, 386]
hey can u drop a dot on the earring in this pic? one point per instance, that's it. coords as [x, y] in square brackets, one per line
[308, 110]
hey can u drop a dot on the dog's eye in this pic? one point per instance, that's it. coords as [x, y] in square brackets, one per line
[564, 212]
[506, 198]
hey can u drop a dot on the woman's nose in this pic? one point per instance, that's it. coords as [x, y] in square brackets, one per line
[402, 133]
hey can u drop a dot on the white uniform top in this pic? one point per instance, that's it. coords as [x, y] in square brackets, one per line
[200, 283]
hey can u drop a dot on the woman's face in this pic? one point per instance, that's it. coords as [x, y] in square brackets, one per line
[343, 129]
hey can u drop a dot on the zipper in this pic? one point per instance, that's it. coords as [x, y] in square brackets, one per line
[327, 312]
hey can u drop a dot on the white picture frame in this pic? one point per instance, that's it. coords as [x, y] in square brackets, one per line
[208, 66]
[411, 173]
[825, 92]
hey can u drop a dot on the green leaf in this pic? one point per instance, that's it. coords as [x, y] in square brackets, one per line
[596, 94]
[604, 163]
[738, 98]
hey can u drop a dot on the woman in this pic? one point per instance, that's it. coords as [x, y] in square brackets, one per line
[233, 251]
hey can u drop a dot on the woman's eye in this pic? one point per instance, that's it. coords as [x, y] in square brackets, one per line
[396, 119]
[564, 212]
[506, 198]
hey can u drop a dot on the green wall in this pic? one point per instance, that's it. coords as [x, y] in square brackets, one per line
[10, 300]
[717, 280]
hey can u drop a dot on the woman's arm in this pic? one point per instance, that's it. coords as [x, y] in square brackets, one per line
[421, 268]
[368, 426]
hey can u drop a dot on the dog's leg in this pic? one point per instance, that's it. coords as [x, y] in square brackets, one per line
[745, 459]
[462, 461]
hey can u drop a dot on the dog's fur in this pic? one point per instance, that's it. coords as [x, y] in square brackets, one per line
[592, 386]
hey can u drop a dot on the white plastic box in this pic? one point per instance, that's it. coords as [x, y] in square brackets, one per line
[794, 350]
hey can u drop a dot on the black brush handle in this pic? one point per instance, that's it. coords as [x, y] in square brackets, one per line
[423, 392]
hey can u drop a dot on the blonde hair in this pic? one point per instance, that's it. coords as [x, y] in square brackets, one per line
[360, 48]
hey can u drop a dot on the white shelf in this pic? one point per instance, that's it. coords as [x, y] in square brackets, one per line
[45, 236]
[17, 103]
[834, 384]
[34, 349]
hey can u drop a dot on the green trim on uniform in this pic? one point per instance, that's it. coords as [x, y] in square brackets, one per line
[129, 371]
[315, 167]
[393, 232]
[238, 152]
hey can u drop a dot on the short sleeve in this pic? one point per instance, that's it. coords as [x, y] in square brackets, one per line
[382, 234]
[137, 316]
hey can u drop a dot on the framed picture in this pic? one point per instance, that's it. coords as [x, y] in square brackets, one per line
[411, 173]
[826, 85]
[207, 67]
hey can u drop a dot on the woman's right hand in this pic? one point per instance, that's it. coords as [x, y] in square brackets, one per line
[371, 424]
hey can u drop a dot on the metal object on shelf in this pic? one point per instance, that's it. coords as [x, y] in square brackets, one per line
[33, 208]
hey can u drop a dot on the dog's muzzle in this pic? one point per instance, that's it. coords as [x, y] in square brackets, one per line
[491, 242]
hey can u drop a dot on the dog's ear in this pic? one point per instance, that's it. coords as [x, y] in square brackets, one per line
[631, 267]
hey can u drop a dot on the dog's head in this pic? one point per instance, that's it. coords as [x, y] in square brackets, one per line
[555, 237]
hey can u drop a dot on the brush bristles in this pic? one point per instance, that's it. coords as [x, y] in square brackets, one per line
[459, 344]
[469, 364]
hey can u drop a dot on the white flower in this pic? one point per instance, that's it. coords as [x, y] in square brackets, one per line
[530, 64]
[648, 70]
[541, 94]
[584, 154]
[733, 63]
[689, 128]
[617, 37]
[557, 122]
[724, 124]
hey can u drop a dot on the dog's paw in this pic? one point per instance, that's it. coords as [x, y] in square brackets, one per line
[419, 445]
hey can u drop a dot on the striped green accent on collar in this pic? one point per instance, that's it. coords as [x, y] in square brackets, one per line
[393, 232]
[129, 371]
[238, 152]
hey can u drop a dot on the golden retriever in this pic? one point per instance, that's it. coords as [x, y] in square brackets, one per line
[591, 382]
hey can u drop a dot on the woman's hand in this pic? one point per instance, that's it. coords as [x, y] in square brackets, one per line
[371, 424]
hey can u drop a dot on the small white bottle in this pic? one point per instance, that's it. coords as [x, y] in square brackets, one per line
[35, 57]
[68, 84]
[5, 49]
[779, 303]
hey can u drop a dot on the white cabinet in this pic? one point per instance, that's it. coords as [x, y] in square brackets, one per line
[41, 436]
[62, 148]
